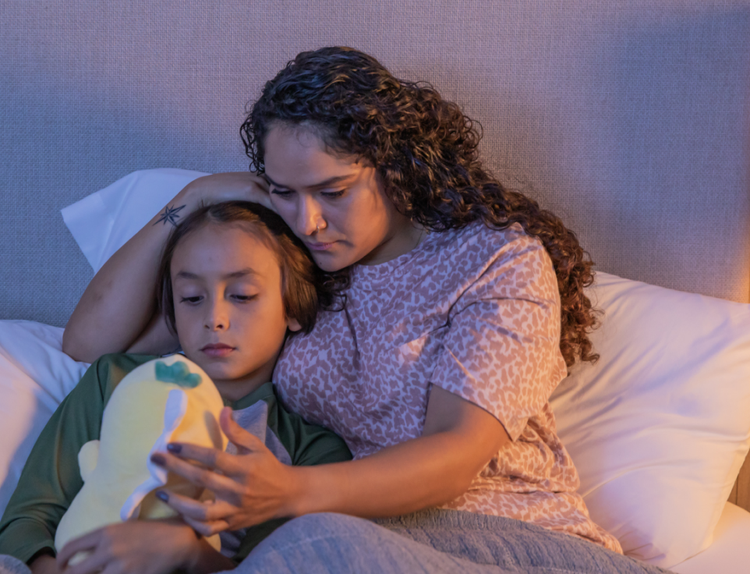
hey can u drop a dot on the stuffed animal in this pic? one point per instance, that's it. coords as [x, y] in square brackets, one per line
[164, 400]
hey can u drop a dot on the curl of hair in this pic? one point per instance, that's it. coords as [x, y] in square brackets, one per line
[426, 151]
[303, 286]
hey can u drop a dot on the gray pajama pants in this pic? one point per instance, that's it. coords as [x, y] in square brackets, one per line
[428, 542]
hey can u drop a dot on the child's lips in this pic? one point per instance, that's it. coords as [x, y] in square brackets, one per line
[217, 350]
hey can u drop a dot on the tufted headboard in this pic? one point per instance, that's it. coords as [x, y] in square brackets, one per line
[631, 119]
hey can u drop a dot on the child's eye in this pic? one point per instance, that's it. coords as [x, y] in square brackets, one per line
[243, 298]
[191, 300]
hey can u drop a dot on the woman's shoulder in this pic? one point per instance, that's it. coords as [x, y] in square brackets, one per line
[478, 244]
[496, 262]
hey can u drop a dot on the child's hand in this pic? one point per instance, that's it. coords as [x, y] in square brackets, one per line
[141, 547]
[250, 487]
[44, 564]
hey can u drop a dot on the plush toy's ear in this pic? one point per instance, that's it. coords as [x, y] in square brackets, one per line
[174, 412]
[88, 456]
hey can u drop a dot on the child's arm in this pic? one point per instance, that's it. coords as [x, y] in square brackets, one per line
[44, 564]
[51, 477]
[144, 547]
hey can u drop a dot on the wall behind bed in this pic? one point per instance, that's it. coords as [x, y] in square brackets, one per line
[631, 119]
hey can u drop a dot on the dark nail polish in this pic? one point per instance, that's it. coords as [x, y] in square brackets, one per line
[156, 458]
[163, 496]
[175, 448]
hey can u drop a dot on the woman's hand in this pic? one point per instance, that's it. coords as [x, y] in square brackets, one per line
[243, 185]
[249, 487]
[142, 547]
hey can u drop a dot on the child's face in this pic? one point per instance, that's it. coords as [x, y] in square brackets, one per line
[228, 306]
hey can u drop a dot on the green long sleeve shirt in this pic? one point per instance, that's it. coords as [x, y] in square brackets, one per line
[51, 477]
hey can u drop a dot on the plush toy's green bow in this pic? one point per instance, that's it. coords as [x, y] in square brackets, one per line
[177, 373]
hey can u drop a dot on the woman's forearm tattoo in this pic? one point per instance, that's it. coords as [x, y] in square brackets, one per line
[170, 215]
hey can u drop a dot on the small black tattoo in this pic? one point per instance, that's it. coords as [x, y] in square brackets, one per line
[170, 215]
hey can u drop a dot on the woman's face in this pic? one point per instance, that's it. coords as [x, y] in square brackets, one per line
[334, 203]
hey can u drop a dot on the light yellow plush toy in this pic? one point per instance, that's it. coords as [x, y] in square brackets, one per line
[164, 400]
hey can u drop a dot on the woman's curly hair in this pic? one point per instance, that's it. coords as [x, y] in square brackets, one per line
[426, 152]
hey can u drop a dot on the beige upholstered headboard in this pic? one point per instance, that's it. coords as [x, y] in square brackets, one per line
[629, 118]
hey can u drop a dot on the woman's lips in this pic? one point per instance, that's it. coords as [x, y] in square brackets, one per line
[320, 246]
[217, 351]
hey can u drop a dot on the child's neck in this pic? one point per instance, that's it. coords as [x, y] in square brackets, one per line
[235, 389]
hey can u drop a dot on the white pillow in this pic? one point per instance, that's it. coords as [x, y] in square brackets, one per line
[660, 426]
[35, 376]
[102, 222]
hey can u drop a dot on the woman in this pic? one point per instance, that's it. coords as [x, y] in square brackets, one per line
[461, 308]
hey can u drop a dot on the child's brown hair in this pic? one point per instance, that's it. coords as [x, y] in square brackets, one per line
[302, 287]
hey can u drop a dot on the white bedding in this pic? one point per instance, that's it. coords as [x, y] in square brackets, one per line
[730, 551]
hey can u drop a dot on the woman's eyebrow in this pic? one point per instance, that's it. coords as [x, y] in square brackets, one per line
[325, 183]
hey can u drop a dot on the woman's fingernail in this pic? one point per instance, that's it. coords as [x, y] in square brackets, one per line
[163, 496]
[156, 458]
[175, 448]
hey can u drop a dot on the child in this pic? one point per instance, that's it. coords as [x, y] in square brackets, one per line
[234, 283]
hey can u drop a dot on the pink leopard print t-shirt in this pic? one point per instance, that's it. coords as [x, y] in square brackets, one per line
[477, 313]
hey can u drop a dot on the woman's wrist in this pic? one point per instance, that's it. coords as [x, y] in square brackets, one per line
[298, 499]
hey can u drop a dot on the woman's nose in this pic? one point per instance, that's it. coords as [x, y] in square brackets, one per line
[309, 216]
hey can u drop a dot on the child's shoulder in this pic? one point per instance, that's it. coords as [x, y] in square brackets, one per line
[108, 370]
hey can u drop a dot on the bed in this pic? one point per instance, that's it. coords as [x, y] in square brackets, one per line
[629, 119]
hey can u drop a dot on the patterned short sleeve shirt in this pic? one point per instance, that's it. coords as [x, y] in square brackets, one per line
[477, 313]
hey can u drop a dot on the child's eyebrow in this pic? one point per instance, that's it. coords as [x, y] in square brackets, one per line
[233, 275]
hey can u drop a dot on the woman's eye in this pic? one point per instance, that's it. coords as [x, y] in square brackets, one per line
[191, 300]
[280, 192]
[333, 194]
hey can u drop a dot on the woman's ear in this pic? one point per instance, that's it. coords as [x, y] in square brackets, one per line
[293, 325]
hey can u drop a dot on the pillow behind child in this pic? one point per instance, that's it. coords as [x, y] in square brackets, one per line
[35, 376]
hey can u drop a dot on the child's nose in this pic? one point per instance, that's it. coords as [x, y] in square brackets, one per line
[217, 318]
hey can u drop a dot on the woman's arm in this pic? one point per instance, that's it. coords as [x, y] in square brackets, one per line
[119, 303]
[459, 440]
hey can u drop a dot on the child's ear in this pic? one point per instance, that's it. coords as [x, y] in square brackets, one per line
[293, 324]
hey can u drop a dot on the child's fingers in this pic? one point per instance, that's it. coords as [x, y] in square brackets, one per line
[91, 565]
[86, 543]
